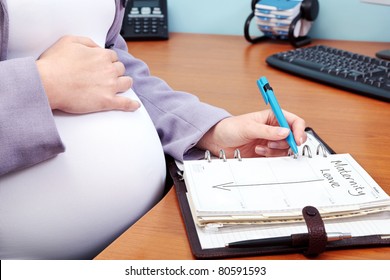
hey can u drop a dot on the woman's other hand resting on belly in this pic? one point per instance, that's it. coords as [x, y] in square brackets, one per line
[65, 70]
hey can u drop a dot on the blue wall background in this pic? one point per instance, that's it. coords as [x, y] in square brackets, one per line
[338, 19]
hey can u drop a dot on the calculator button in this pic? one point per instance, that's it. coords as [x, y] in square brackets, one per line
[134, 11]
[157, 11]
[146, 10]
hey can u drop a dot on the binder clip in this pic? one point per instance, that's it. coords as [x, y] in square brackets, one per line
[276, 22]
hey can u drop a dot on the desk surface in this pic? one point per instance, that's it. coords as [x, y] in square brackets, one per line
[222, 70]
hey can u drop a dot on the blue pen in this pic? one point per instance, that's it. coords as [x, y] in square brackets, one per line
[269, 97]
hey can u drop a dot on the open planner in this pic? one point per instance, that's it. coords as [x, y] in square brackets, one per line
[229, 200]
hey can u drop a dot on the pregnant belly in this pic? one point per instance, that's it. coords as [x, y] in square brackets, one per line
[112, 172]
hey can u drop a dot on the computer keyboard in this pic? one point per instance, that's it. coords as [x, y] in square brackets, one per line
[350, 71]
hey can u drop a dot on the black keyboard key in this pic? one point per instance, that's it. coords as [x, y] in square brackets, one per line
[308, 63]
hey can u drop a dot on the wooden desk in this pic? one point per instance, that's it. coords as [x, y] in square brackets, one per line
[222, 70]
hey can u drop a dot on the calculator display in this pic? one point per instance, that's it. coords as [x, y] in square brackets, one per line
[150, 3]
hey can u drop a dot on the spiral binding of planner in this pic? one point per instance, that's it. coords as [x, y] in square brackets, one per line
[306, 151]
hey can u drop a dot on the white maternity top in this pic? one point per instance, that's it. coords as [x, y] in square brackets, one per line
[113, 169]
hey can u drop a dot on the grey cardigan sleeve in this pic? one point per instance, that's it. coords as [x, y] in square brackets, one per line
[28, 134]
[179, 117]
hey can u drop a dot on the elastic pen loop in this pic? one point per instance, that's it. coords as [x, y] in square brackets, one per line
[316, 231]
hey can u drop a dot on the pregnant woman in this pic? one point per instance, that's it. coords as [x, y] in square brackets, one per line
[84, 128]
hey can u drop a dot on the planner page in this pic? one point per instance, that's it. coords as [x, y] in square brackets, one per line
[263, 188]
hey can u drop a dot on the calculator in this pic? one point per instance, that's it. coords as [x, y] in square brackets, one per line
[145, 20]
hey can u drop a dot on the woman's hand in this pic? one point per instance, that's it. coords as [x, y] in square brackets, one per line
[254, 134]
[81, 77]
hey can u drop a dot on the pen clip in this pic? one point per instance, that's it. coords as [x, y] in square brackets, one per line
[264, 86]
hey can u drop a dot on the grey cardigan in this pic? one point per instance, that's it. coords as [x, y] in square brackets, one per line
[28, 134]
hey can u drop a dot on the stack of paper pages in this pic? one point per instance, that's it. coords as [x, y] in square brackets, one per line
[274, 190]
[234, 200]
